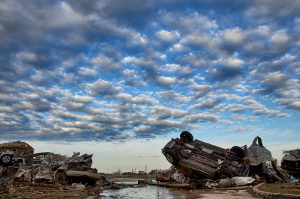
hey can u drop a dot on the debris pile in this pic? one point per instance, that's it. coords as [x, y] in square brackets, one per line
[207, 165]
[19, 164]
[291, 162]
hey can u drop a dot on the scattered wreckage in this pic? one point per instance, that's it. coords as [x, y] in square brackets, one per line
[19, 164]
[291, 162]
[199, 160]
[57, 169]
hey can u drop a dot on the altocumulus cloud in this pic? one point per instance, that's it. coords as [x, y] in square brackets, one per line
[118, 70]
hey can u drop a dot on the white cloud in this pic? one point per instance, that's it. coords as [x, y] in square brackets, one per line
[206, 103]
[234, 36]
[103, 88]
[82, 98]
[233, 62]
[280, 37]
[104, 63]
[201, 117]
[140, 99]
[166, 81]
[172, 95]
[87, 72]
[167, 36]
[196, 39]
[191, 22]
[163, 112]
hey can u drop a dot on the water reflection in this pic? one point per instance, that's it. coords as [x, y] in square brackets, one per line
[148, 192]
[152, 192]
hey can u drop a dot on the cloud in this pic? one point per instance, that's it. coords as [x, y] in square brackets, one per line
[181, 71]
[103, 63]
[108, 70]
[165, 81]
[234, 37]
[191, 22]
[200, 90]
[141, 99]
[165, 113]
[277, 11]
[205, 104]
[273, 113]
[204, 117]
[87, 72]
[225, 72]
[172, 95]
[102, 88]
[275, 83]
[294, 105]
[167, 36]
[244, 128]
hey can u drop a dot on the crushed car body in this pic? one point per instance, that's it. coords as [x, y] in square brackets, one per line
[201, 160]
[14, 153]
[46, 168]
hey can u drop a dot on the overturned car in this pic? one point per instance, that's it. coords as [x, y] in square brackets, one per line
[201, 160]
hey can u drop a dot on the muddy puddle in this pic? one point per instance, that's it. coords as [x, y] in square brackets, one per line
[154, 192]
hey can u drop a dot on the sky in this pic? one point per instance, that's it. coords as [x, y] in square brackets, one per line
[120, 78]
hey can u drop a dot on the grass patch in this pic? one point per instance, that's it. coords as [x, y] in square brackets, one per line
[284, 188]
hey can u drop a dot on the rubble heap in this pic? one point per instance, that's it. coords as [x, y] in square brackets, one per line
[291, 162]
[20, 165]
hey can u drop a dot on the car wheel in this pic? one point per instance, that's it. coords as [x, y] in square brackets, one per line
[172, 157]
[186, 137]
[60, 178]
[6, 159]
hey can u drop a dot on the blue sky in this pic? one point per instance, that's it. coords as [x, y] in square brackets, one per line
[128, 70]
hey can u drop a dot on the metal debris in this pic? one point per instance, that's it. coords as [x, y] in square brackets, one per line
[291, 162]
[199, 161]
[46, 168]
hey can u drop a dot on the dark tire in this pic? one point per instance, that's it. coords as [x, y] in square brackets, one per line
[60, 178]
[172, 157]
[186, 137]
[238, 151]
[6, 159]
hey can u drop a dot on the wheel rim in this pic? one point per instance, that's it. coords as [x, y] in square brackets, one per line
[6, 159]
[169, 158]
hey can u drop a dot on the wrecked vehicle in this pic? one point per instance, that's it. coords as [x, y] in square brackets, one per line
[6, 157]
[18, 159]
[20, 148]
[291, 162]
[76, 169]
[201, 160]
[68, 176]
[14, 152]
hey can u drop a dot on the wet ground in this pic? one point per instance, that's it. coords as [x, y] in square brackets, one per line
[150, 192]
[154, 192]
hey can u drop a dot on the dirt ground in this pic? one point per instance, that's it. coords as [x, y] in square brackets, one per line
[224, 194]
[41, 191]
[284, 188]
